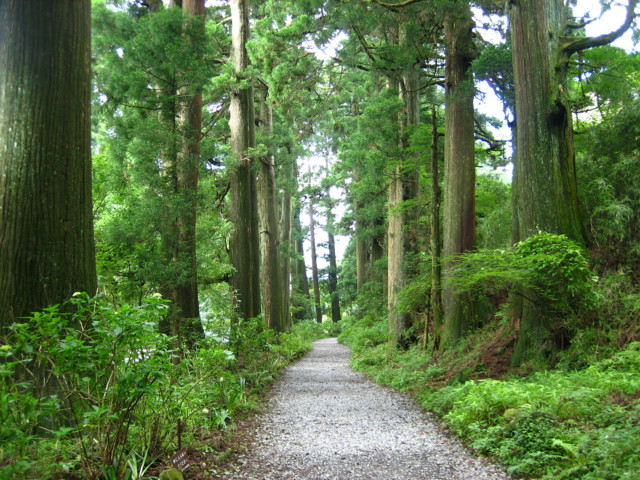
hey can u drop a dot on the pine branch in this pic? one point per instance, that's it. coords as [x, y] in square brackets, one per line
[396, 5]
[590, 42]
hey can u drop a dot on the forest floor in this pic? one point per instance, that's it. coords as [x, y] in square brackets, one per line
[325, 421]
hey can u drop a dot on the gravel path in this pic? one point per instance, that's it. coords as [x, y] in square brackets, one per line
[326, 421]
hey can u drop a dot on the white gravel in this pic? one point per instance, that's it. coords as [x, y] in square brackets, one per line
[326, 421]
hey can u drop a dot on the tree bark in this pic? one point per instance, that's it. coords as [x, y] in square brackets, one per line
[271, 283]
[333, 264]
[314, 262]
[395, 258]
[46, 218]
[436, 236]
[187, 307]
[545, 163]
[286, 212]
[459, 176]
[244, 251]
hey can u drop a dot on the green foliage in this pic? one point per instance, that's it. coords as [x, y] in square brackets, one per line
[609, 178]
[81, 375]
[366, 332]
[552, 266]
[552, 421]
[146, 65]
[86, 385]
[495, 65]
[550, 424]
[493, 211]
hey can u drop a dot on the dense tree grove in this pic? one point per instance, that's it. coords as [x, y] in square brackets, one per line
[178, 168]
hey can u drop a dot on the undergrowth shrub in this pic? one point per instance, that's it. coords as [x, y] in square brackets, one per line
[552, 266]
[365, 332]
[88, 368]
[89, 389]
[552, 421]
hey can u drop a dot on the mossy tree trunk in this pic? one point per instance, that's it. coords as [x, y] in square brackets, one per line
[244, 251]
[271, 284]
[545, 187]
[459, 232]
[46, 218]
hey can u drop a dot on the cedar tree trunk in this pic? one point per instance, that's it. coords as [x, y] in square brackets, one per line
[545, 186]
[314, 262]
[187, 315]
[459, 176]
[46, 219]
[244, 251]
[270, 272]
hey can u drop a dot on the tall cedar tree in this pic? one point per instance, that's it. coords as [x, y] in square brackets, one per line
[459, 156]
[286, 237]
[245, 243]
[46, 229]
[271, 272]
[545, 184]
[314, 258]
[185, 294]
[333, 262]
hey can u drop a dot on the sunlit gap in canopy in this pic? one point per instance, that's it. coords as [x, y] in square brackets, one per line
[313, 169]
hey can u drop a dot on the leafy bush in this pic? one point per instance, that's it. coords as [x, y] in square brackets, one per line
[85, 367]
[552, 266]
[91, 386]
[368, 331]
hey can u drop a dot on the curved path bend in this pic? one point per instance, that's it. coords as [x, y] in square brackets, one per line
[326, 421]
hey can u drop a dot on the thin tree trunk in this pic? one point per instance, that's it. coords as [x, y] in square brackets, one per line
[361, 248]
[46, 217]
[333, 264]
[244, 251]
[436, 236]
[378, 250]
[314, 262]
[459, 193]
[270, 274]
[360, 238]
[300, 284]
[409, 93]
[286, 211]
